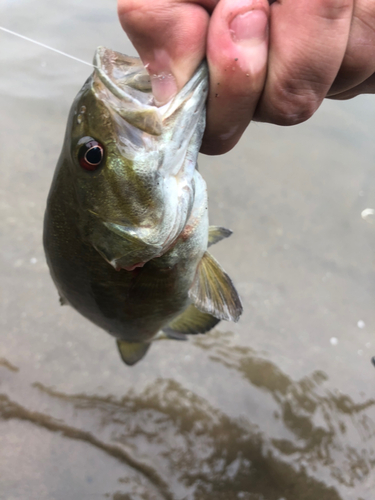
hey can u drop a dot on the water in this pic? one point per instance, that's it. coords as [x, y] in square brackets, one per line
[271, 408]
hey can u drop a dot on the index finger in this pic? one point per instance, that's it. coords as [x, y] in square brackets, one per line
[170, 37]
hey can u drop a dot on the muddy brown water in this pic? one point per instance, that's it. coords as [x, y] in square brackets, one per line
[280, 406]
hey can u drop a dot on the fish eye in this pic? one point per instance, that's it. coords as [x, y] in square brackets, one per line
[90, 155]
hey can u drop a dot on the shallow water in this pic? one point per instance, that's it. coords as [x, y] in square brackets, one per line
[280, 406]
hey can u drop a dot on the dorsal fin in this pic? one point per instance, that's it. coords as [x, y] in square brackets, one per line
[191, 321]
[213, 292]
[217, 233]
[132, 352]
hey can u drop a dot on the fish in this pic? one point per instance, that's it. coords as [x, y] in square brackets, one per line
[126, 226]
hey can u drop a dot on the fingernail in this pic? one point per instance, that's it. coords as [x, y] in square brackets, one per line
[248, 26]
[164, 87]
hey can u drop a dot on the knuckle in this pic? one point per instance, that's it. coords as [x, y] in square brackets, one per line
[138, 15]
[334, 9]
[364, 20]
[290, 107]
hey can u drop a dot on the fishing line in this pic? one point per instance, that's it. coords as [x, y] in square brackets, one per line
[46, 46]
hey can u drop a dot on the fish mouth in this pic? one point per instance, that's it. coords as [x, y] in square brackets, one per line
[130, 85]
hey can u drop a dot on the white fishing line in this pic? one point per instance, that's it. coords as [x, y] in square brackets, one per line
[46, 46]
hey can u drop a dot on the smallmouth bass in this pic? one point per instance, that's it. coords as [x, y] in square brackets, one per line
[126, 225]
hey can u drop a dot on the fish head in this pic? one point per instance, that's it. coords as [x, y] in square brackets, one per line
[132, 164]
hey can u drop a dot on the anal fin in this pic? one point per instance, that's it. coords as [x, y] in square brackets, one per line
[191, 321]
[213, 292]
[132, 352]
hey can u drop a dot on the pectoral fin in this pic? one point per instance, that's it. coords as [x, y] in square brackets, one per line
[191, 321]
[132, 352]
[213, 292]
[216, 234]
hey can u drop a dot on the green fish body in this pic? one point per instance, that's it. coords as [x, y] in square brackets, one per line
[126, 225]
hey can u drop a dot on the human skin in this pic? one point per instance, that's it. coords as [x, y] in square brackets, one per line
[271, 63]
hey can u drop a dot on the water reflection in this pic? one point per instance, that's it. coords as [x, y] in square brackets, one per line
[6, 364]
[183, 447]
[329, 429]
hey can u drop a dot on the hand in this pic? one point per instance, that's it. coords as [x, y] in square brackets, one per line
[269, 63]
